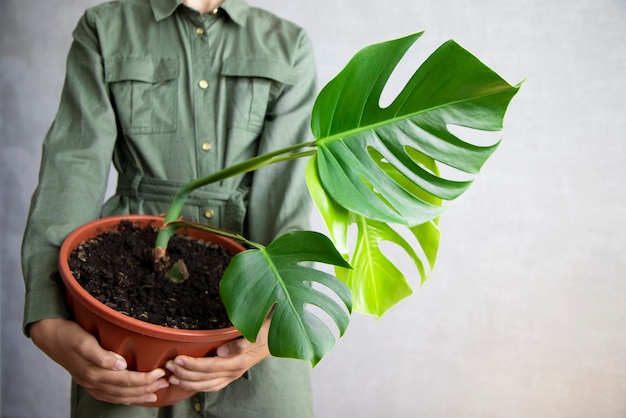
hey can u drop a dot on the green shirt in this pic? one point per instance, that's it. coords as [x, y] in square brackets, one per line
[169, 95]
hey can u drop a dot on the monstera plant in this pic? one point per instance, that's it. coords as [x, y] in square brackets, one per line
[370, 166]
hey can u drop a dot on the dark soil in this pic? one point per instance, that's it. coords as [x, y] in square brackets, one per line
[117, 268]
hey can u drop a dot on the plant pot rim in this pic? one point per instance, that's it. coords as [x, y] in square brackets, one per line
[101, 225]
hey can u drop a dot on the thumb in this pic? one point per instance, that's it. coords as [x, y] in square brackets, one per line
[120, 362]
[109, 360]
[91, 350]
[232, 348]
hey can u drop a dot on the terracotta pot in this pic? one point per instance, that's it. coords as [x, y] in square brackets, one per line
[144, 346]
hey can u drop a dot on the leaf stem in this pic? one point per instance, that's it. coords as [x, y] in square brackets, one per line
[178, 202]
[190, 225]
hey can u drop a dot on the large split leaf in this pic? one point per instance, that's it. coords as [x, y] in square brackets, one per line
[377, 167]
[279, 278]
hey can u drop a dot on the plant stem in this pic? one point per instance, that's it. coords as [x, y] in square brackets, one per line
[206, 228]
[178, 202]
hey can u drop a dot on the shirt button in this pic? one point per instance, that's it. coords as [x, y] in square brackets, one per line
[199, 31]
[197, 407]
[203, 84]
[206, 146]
[209, 213]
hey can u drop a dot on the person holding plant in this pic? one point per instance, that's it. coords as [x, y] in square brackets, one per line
[169, 91]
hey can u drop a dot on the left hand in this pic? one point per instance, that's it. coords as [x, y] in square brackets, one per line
[210, 374]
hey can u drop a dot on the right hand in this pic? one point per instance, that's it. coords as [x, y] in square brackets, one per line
[102, 373]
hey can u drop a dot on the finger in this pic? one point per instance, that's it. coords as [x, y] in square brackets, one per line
[243, 346]
[105, 394]
[133, 391]
[186, 367]
[196, 369]
[134, 380]
[105, 397]
[122, 394]
[203, 382]
[89, 349]
[120, 383]
[234, 347]
[212, 385]
[205, 374]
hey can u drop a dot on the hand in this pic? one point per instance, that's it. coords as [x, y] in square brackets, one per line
[210, 374]
[102, 373]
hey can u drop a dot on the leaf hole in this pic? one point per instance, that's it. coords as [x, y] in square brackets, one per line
[322, 315]
[438, 168]
[473, 136]
[454, 174]
[403, 71]
[399, 257]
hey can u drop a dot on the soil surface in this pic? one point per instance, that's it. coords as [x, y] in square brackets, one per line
[117, 268]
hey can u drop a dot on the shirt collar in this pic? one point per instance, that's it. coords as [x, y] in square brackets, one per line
[238, 10]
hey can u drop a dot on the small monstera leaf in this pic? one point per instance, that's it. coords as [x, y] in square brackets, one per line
[378, 167]
[277, 279]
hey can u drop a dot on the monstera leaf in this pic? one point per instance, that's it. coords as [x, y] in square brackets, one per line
[277, 278]
[378, 167]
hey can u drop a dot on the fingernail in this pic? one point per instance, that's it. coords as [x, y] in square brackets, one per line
[179, 361]
[164, 384]
[150, 398]
[170, 366]
[159, 373]
[174, 381]
[223, 351]
[120, 364]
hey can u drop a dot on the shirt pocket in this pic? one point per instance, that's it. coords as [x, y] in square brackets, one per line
[145, 93]
[251, 85]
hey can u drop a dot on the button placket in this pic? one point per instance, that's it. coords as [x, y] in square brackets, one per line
[203, 76]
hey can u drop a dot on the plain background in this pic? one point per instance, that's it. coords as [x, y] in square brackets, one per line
[525, 314]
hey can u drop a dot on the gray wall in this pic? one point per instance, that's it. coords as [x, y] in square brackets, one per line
[525, 314]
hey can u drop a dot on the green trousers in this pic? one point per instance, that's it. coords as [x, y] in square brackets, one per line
[274, 388]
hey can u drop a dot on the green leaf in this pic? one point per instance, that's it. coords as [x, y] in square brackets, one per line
[337, 218]
[452, 87]
[379, 167]
[376, 283]
[178, 273]
[428, 236]
[278, 277]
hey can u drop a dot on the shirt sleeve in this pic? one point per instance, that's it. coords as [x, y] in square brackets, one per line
[279, 199]
[76, 159]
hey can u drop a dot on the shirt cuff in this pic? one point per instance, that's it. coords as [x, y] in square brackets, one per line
[43, 303]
